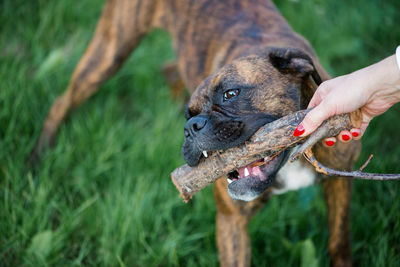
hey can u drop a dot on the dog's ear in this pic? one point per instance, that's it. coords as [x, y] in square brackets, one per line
[296, 62]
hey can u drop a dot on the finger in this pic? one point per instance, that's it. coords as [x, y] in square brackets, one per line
[363, 127]
[329, 142]
[312, 120]
[355, 133]
[319, 94]
[345, 136]
[315, 100]
[364, 123]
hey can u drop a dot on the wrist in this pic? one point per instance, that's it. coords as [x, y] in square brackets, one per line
[387, 85]
[384, 75]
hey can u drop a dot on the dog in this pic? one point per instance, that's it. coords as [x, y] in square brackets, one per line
[244, 67]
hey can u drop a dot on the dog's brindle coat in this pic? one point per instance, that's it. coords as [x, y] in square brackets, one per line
[209, 34]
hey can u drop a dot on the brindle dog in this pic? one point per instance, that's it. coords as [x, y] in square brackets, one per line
[258, 70]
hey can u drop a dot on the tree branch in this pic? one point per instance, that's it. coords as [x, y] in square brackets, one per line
[319, 167]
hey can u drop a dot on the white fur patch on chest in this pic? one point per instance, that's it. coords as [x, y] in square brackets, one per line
[293, 176]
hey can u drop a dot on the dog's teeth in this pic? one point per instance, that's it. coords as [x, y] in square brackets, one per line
[229, 180]
[246, 172]
[205, 154]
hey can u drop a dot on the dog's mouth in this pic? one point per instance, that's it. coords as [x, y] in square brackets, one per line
[245, 183]
[250, 181]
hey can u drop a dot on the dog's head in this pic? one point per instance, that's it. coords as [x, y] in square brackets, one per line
[232, 104]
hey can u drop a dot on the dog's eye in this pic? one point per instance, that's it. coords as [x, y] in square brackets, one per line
[228, 94]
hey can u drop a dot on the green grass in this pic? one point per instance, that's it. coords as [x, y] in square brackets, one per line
[103, 196]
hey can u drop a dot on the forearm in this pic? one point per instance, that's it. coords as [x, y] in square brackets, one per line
[383, 80]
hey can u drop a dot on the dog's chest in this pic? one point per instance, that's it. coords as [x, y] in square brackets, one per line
[293, 176]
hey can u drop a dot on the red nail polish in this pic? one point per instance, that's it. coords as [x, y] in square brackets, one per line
[345, 137]
[355, 134]
[330, 143]
[299, 130]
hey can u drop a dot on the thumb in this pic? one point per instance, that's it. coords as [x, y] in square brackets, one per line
[314, 118]
[365, 122]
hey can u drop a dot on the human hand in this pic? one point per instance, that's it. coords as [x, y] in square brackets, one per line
[373, 89]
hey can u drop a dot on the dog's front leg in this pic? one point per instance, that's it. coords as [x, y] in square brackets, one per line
[232, 218]
[233, 240]
[337, 192]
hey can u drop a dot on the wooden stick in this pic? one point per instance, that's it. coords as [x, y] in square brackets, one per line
[268, 141]
[319, 167]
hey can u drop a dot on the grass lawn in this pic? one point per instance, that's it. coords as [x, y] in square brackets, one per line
[103, 196]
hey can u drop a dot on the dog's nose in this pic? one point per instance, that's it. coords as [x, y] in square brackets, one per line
[194, 125]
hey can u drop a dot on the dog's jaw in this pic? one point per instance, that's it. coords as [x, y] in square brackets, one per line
[250, 181]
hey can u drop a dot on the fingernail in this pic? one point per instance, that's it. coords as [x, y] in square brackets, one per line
[329, 143]
[355, 133]
[345, 137]
[299, 130]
